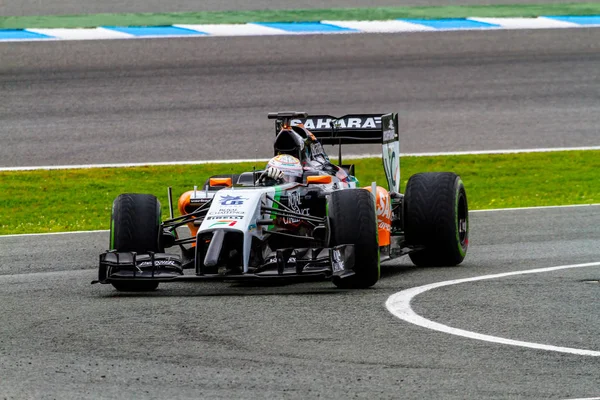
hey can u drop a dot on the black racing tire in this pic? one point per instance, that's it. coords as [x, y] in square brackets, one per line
[436, 215]
[135, 225]
[353, 220]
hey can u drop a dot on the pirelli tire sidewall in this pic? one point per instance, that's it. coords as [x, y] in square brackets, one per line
[436, 216]
[135, 224]
[353, 220]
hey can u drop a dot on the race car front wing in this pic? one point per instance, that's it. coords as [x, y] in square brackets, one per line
[302, 263]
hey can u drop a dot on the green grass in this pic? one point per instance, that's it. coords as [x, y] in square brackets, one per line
[81, 199]
[239, 17]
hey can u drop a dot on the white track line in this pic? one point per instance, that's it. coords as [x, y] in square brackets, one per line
[505, 151]
[472, 211]
[348, 157]
[534, 208]
[399, 305]
[128, 165]
[51, 233]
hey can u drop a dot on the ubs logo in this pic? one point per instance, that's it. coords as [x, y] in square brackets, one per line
[232, 200]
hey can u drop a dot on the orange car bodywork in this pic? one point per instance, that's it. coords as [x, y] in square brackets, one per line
[384, 214]
[184, 208]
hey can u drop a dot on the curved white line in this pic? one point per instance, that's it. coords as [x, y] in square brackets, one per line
[399, 305]
[587, 398]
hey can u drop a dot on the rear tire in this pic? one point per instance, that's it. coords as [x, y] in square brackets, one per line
[135, 225]
[353, 220]
[436, 216]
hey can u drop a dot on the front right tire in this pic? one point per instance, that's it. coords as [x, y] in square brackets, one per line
[353, 220]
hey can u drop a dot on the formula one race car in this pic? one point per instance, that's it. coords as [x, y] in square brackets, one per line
[243, 227]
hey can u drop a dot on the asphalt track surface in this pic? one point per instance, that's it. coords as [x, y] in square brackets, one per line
[125, 101]
[61, 337]
[155, 100]
[50, 7]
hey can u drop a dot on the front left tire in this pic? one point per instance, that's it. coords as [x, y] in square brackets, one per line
[135, 225]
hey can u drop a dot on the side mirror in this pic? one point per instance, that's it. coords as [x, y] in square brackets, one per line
[220, 182]
[320, 179]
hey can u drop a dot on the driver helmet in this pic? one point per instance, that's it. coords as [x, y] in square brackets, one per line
[289, 165]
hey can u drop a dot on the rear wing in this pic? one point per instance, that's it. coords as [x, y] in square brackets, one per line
[349, 129]
[352, 129]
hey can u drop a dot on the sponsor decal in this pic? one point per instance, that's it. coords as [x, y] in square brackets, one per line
[309, 165]
[157, 263]
[198, 201]
[390, 132]
[342, 175]
[337, 264]
[390, 164]
[317, 149]
[232, 200]
[251, 227]
[294, 202]
[385, 225]
[225, 212]
[225, 216]
[347, 123]
[384, 208]
[222, 222]
[273, 260]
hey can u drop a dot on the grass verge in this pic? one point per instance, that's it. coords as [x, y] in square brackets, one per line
[239, 17]
[81, 199]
